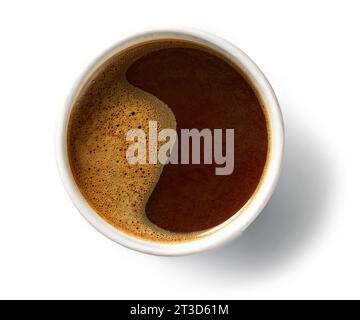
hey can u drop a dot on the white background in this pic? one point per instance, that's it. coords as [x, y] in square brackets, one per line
[306, 242]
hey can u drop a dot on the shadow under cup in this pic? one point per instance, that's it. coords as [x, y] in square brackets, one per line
[239, 221]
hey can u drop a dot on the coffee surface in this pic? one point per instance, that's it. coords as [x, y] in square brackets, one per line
[181, 86]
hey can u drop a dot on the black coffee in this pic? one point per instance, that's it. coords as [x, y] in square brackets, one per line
[180, 85]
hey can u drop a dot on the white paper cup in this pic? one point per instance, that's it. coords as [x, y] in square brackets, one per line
[234, 226]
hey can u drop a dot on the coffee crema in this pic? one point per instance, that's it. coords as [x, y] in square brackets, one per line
[180, 85]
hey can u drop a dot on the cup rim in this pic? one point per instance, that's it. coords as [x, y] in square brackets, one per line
[235, 225]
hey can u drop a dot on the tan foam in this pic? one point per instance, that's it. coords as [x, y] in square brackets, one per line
[105, 110]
